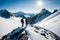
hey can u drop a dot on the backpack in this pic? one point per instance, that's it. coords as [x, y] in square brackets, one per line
[22, 20]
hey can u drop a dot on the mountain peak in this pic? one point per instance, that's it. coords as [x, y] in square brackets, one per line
[4, 11]
[6, 14]
[20, 12]
[44, 10]
[55, 10]
[39, 17]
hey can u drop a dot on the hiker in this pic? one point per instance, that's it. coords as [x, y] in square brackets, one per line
[26, 21]
[22, 22]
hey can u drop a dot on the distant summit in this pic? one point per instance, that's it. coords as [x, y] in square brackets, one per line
[23, 15]
[4, 13]
[55, 10]
[44, 11]
[19, 14]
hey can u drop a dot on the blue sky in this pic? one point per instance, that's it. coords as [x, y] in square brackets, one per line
[28, 6]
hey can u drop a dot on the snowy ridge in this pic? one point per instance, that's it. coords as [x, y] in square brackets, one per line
[15, 34]
[51, 16]
[52, 24]
[37, 33]
[33, 33]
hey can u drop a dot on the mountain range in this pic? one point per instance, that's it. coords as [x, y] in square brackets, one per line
[32, 18]
[45, 25]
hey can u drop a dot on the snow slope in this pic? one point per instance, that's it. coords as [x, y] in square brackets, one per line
[7, 25]
[33, 33]
[53, 24]
[30, 31]
[35, 36]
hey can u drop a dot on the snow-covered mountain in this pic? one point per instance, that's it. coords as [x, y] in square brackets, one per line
[47, 27]
[55, 10]
[51, 23]
[43, 14]
[20, 14]
[30, 14]
[51, 16]
[23, 15]
[4, 13]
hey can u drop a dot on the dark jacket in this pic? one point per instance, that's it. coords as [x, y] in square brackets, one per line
[22, 20]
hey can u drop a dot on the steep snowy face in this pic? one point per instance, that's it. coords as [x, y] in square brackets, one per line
[43, 14]
[53, 24]
[4, 13]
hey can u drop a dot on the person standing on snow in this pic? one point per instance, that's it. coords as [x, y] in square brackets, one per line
[22, 22]
[26, 21]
